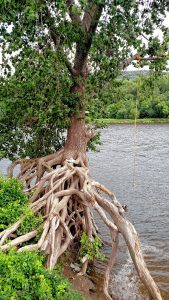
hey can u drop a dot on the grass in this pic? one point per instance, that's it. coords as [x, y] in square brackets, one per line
[105, 122]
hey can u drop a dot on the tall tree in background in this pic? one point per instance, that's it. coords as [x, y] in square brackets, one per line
[53, 47]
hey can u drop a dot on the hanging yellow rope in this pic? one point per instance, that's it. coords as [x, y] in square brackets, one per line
[135, 148]
[135, 144]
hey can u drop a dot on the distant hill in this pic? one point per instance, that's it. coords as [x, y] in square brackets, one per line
[135, 73]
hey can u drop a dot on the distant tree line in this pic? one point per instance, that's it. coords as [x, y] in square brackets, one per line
[127, 98]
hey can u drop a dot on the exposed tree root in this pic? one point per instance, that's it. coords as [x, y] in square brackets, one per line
[64, 193]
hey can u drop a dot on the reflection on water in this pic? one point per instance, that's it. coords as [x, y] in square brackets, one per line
[148, 201]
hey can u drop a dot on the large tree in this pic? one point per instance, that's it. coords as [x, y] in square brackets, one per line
[53, 48]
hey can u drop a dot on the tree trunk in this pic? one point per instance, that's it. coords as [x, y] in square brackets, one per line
[77, 135]
[76, 143]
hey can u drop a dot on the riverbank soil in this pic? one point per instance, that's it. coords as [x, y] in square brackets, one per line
[90, 286]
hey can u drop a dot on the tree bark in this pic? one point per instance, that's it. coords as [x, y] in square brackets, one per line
[76, 141]
[77, 134]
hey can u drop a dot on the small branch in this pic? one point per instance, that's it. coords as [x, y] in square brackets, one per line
[45, 231]
[72, 7]
[4, 234]
[151, 58]
[139, 58]
[128, 61]
[68, 64]
[110, 224]
[24, 238]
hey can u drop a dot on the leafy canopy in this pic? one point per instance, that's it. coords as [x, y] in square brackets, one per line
[33, 106]
[44, 42]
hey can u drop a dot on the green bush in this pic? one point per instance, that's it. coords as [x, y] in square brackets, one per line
[12, 201]
[29, 222]
[14, 204]
[22, 274]
[91, 249]
[23, 277]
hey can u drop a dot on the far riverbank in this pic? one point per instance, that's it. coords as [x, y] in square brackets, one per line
[106, 122]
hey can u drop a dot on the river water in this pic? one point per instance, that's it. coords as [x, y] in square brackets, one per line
[134, 164]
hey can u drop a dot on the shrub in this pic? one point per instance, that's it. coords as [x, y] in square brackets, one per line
[91, 249]
[29, 222]
[22, 274]
[14, 204]
[23, 277]
[12, 201]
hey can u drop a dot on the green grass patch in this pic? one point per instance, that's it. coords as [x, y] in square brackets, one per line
[106, 122]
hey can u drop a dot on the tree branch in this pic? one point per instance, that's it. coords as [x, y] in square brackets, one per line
[72, 8]
[87, 18]
[51, 26]
[68, 63]
[89, 24]
[64, 56]
[137, 57]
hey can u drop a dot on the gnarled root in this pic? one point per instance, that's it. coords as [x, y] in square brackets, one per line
[64, 196]
[32, 170]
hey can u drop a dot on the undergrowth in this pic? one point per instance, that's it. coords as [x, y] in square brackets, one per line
[14, 204]
[22, 274]
[91, 249]
[24, 277]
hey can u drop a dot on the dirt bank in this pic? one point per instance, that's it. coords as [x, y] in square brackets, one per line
[90, 286]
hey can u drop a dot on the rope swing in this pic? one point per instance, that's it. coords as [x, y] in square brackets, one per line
[135, 137]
